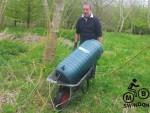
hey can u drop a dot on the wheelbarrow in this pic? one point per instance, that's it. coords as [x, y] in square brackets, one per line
[65, 91]
[75, 71]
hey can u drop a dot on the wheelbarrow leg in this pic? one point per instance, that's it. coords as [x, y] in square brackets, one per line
[88, 84]
[85, 86]
[93, 71]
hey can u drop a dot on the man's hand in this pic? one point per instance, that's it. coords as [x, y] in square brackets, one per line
[76, 38]
[75, 45]
[100, 39]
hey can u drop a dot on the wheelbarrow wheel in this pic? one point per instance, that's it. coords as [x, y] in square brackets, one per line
[62, 98]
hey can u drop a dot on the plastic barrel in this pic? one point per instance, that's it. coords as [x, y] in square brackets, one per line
[74, 67]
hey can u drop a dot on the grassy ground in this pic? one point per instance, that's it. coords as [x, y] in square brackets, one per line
[24, 89]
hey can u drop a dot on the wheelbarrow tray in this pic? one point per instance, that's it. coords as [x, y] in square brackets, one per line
[52, 78]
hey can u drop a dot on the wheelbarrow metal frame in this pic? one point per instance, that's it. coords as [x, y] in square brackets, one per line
[54, 80]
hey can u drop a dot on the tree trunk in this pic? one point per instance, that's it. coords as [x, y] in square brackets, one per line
[53, 28]
[28, 14]
[98, 5]
[121, 25]
[148, 14]
[121, 21]
[15, 23]
[123, 17]
[3, 4]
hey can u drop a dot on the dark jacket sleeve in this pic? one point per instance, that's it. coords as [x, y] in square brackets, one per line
[98, 27]
[77, 26]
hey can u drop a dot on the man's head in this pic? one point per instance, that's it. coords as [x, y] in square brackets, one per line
[87, 10]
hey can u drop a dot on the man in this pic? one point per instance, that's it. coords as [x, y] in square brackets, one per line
[87, 27]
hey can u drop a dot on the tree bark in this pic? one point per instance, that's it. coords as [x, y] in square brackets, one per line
[3, 4]
[121, 21]
[148, 14]
[53, 28]
[28, 14]
[123, 16]
[15, 23]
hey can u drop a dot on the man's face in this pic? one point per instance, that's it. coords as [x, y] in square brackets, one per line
[86, 10]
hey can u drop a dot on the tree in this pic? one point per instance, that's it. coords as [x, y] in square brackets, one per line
[13, 11]
[33, 11]
[24, 11]
[3, 4]
[53, 28]
[72, 11]
[28, 13]
[124, 12]
[139, 20]
[148, 14]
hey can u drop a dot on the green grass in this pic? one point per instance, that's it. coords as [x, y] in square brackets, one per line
[67, 34]
[21, 31]
[41, 31]
[22, 70]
